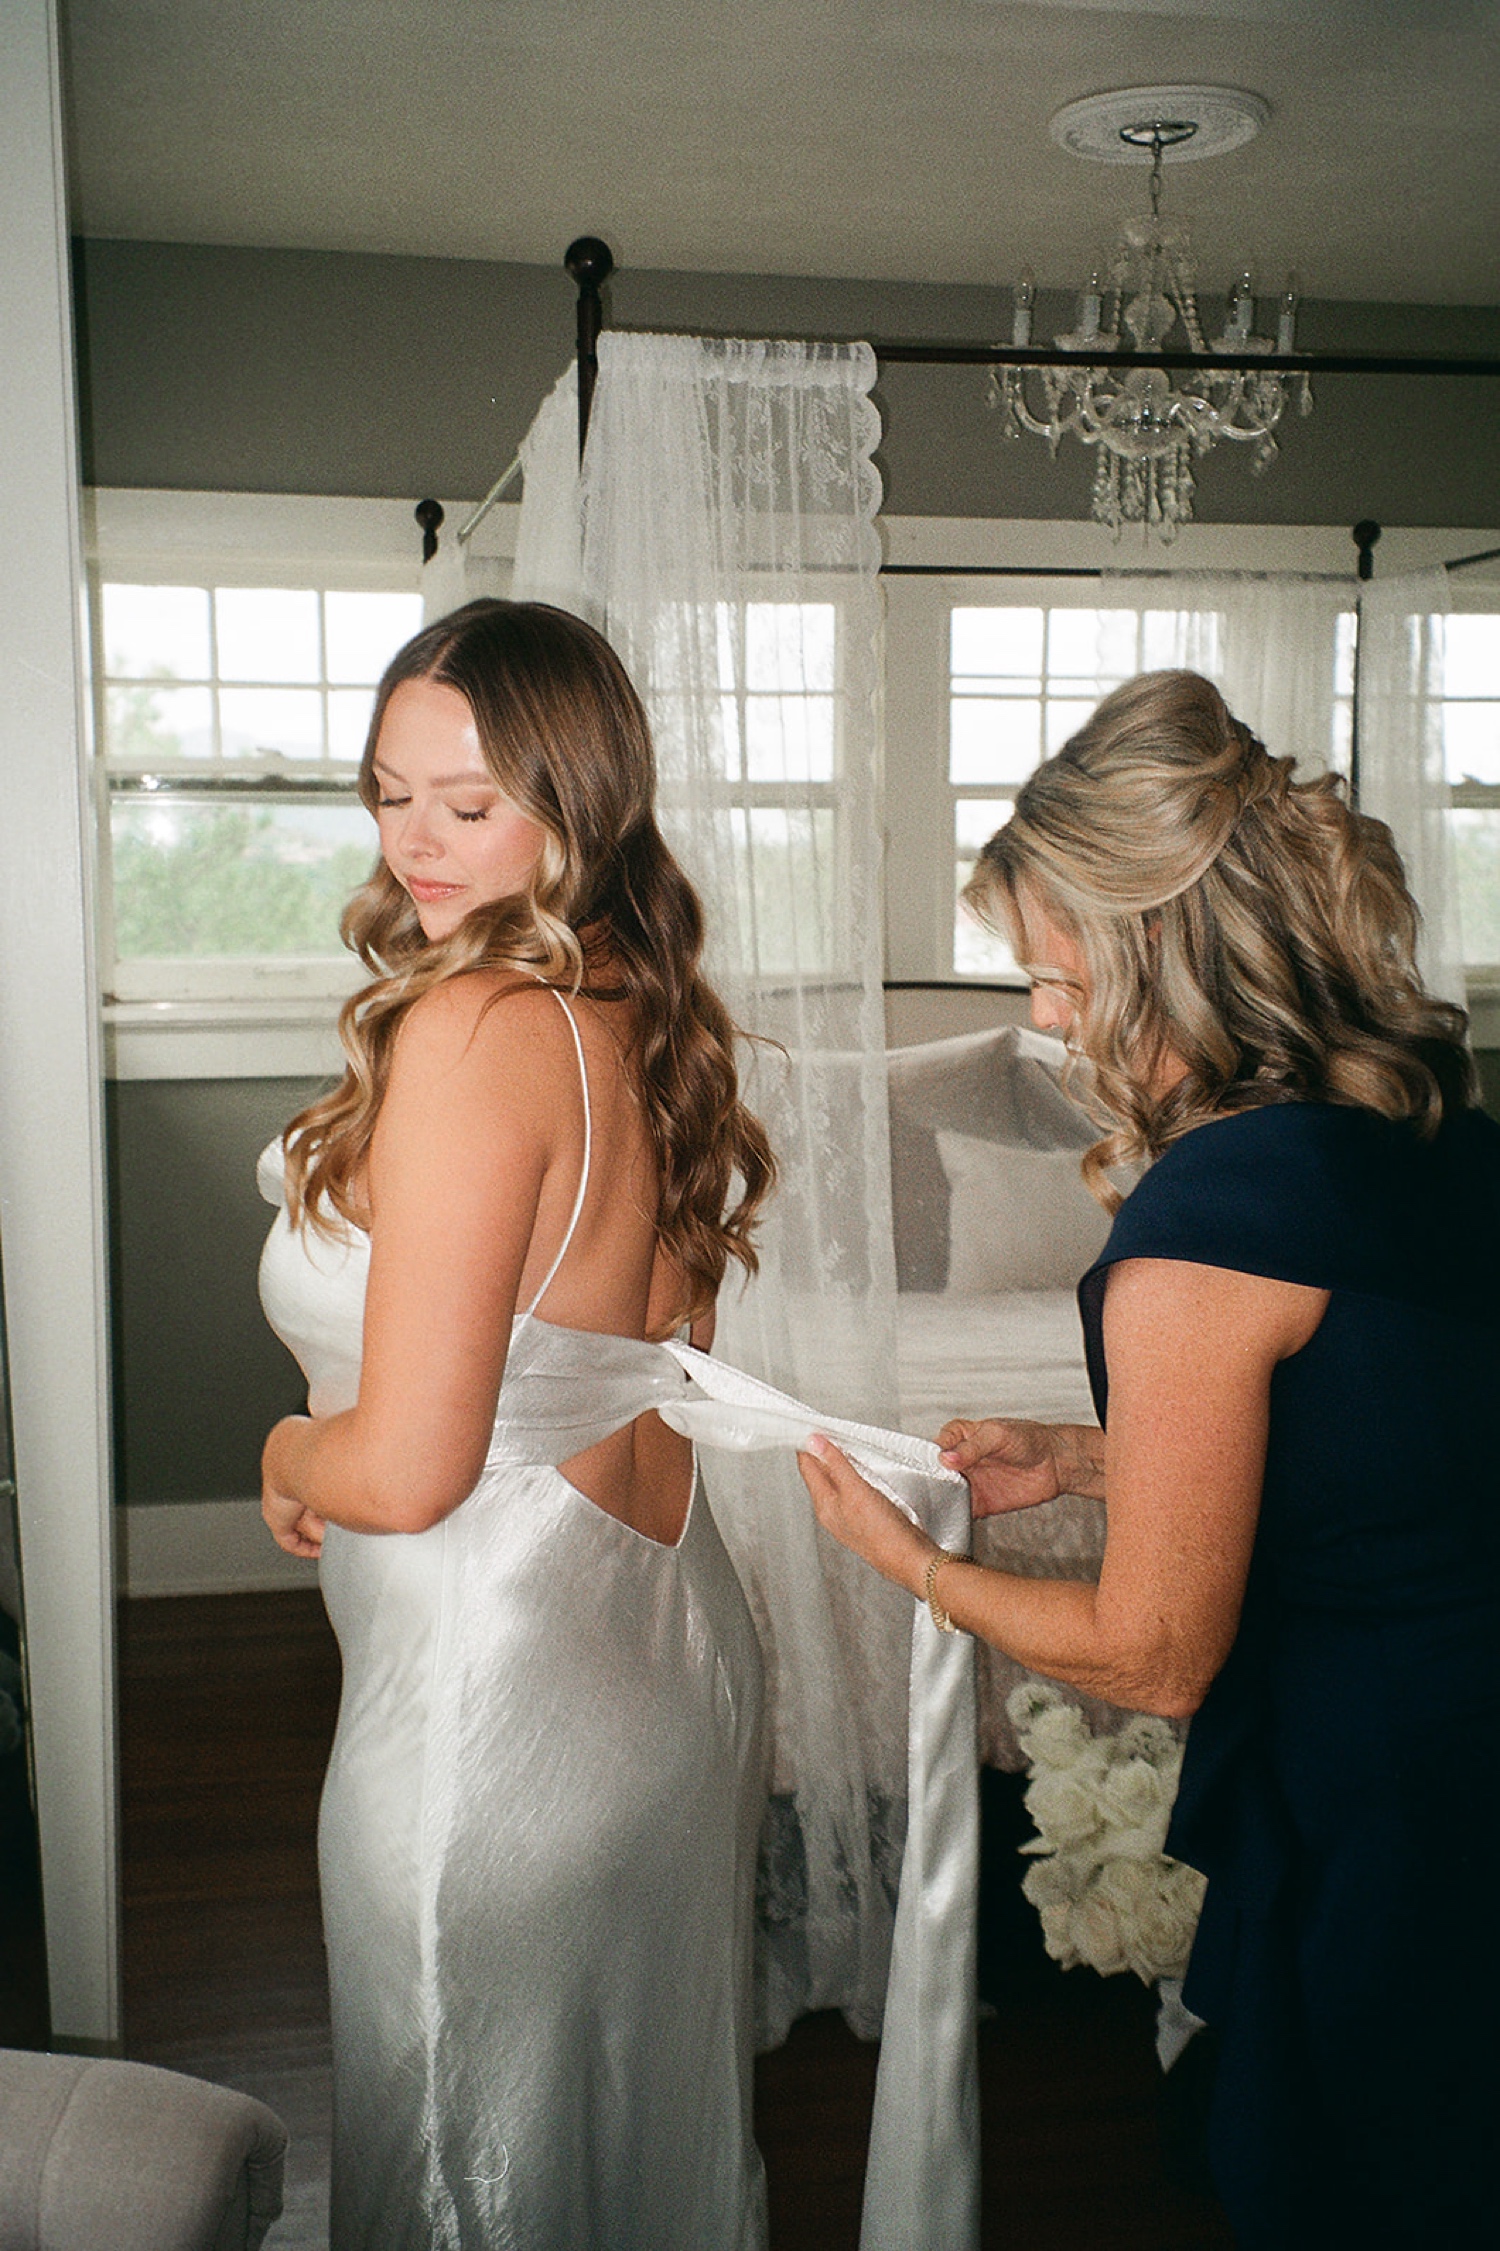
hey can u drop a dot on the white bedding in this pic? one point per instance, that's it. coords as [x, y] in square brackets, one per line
[1020, 1353]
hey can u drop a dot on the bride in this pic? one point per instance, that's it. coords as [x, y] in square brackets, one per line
[538, 1830]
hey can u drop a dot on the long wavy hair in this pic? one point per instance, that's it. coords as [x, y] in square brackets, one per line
[608, 914]
[1254, 927]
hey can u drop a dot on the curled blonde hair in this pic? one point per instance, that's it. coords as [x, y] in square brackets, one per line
[567, 742]
[1253, 927]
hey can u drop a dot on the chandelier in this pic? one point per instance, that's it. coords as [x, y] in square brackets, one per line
[1149, 427]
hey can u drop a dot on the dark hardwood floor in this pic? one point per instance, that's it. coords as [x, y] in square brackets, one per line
[227, 1710]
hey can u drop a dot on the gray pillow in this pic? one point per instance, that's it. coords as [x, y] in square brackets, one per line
[1002, 1086]
[1019, 1219]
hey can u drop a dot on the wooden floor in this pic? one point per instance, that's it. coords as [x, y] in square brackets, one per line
[227, 1711]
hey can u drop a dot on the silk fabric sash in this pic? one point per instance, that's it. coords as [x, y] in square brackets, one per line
[922, 2175]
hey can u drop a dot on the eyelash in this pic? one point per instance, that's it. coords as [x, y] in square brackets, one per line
[393, 804]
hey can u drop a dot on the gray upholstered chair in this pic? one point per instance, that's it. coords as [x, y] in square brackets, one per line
[105, 2156]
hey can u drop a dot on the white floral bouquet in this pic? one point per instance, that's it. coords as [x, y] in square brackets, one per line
[1106, 1891]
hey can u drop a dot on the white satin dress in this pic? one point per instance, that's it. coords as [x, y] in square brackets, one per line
[538, 1831]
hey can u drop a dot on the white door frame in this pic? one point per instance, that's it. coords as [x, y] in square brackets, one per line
[52, 1216]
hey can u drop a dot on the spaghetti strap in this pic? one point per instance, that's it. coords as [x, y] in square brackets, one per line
[588, 1144]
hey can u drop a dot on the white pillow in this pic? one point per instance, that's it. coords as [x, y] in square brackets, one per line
[1018, 1219]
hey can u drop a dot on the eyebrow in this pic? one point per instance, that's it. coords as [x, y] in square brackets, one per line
[438, 781]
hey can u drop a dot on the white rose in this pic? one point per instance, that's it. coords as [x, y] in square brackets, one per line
[1063, 1808]
[1185, 1888]
[1097, 1933]
[1154, 1740]
[1156, 1917]
[1029, 1699]
[1057, 1736]
[1057, 1880]
[1136, 1795]
[1057, 1934]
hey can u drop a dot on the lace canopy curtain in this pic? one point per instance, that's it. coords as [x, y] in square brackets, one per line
[729, 552]
[1402, 778]
[1272, 645]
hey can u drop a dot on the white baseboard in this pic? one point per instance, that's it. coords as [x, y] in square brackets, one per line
[204, 1547]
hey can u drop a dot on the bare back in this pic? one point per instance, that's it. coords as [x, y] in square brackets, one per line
[503, 1099]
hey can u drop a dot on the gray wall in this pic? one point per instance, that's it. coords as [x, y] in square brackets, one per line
[199, 1378]
[308, 371]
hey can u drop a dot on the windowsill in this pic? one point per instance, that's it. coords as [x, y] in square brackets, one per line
[222, 1039]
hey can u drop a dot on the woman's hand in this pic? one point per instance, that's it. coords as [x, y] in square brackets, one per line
[293, 1527]
[1013, 1465]
[849, 1507]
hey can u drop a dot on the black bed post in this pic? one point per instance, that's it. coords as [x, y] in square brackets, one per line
[1364, 536]
[590, 262]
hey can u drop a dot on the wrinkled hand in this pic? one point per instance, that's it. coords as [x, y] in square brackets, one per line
[849, 1507]
[293, 1527]
[1009, 1465]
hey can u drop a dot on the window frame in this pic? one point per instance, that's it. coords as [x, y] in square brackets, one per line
[240, 540]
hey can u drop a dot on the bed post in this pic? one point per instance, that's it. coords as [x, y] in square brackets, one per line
[590, 262]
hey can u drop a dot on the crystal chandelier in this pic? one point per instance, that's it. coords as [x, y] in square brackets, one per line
[1148, 427]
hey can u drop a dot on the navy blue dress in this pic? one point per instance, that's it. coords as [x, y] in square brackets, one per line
[1341, 1780]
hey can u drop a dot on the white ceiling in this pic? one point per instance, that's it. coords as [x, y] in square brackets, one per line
[897, 139]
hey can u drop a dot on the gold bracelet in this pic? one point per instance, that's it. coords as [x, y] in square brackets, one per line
[938, 1614]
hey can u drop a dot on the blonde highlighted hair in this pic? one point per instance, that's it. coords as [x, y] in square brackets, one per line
[608, 913]
[1253, 927]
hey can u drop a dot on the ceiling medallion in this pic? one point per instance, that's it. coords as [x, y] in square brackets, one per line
[1148, 427]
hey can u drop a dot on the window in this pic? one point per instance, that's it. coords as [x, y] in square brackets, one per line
[233, 722]
[1470, 677]
[1021, 680]
[779, 747]
[987, 676]
[232, 696]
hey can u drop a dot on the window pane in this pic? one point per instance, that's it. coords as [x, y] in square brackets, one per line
[785, 878]
[349, 712]
[145, 726]
[195, 879]
[288, 721]
[1065, 719]
[997, 643]
[365, 631]
[156, 631]
[267, 633]
[977, 950]
[1342, 750]
[993, 738]
[1471, 656]
[789, 645]
[789, 738]
[1343, 653]
[1091, 644]
[1477, 841]
[1471, 740]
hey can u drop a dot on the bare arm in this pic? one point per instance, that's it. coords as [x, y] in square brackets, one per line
[457, 1167]
[1192, 1350]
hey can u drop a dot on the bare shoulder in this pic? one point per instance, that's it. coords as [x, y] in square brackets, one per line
[486, 1024]
[1176, 1306]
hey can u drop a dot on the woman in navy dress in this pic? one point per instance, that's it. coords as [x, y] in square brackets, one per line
[1294, 1338]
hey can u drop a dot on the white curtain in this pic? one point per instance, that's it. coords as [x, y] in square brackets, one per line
[549, 559]
[455, 575]
[1269, 643]
[1402, 779]
[729, 552]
